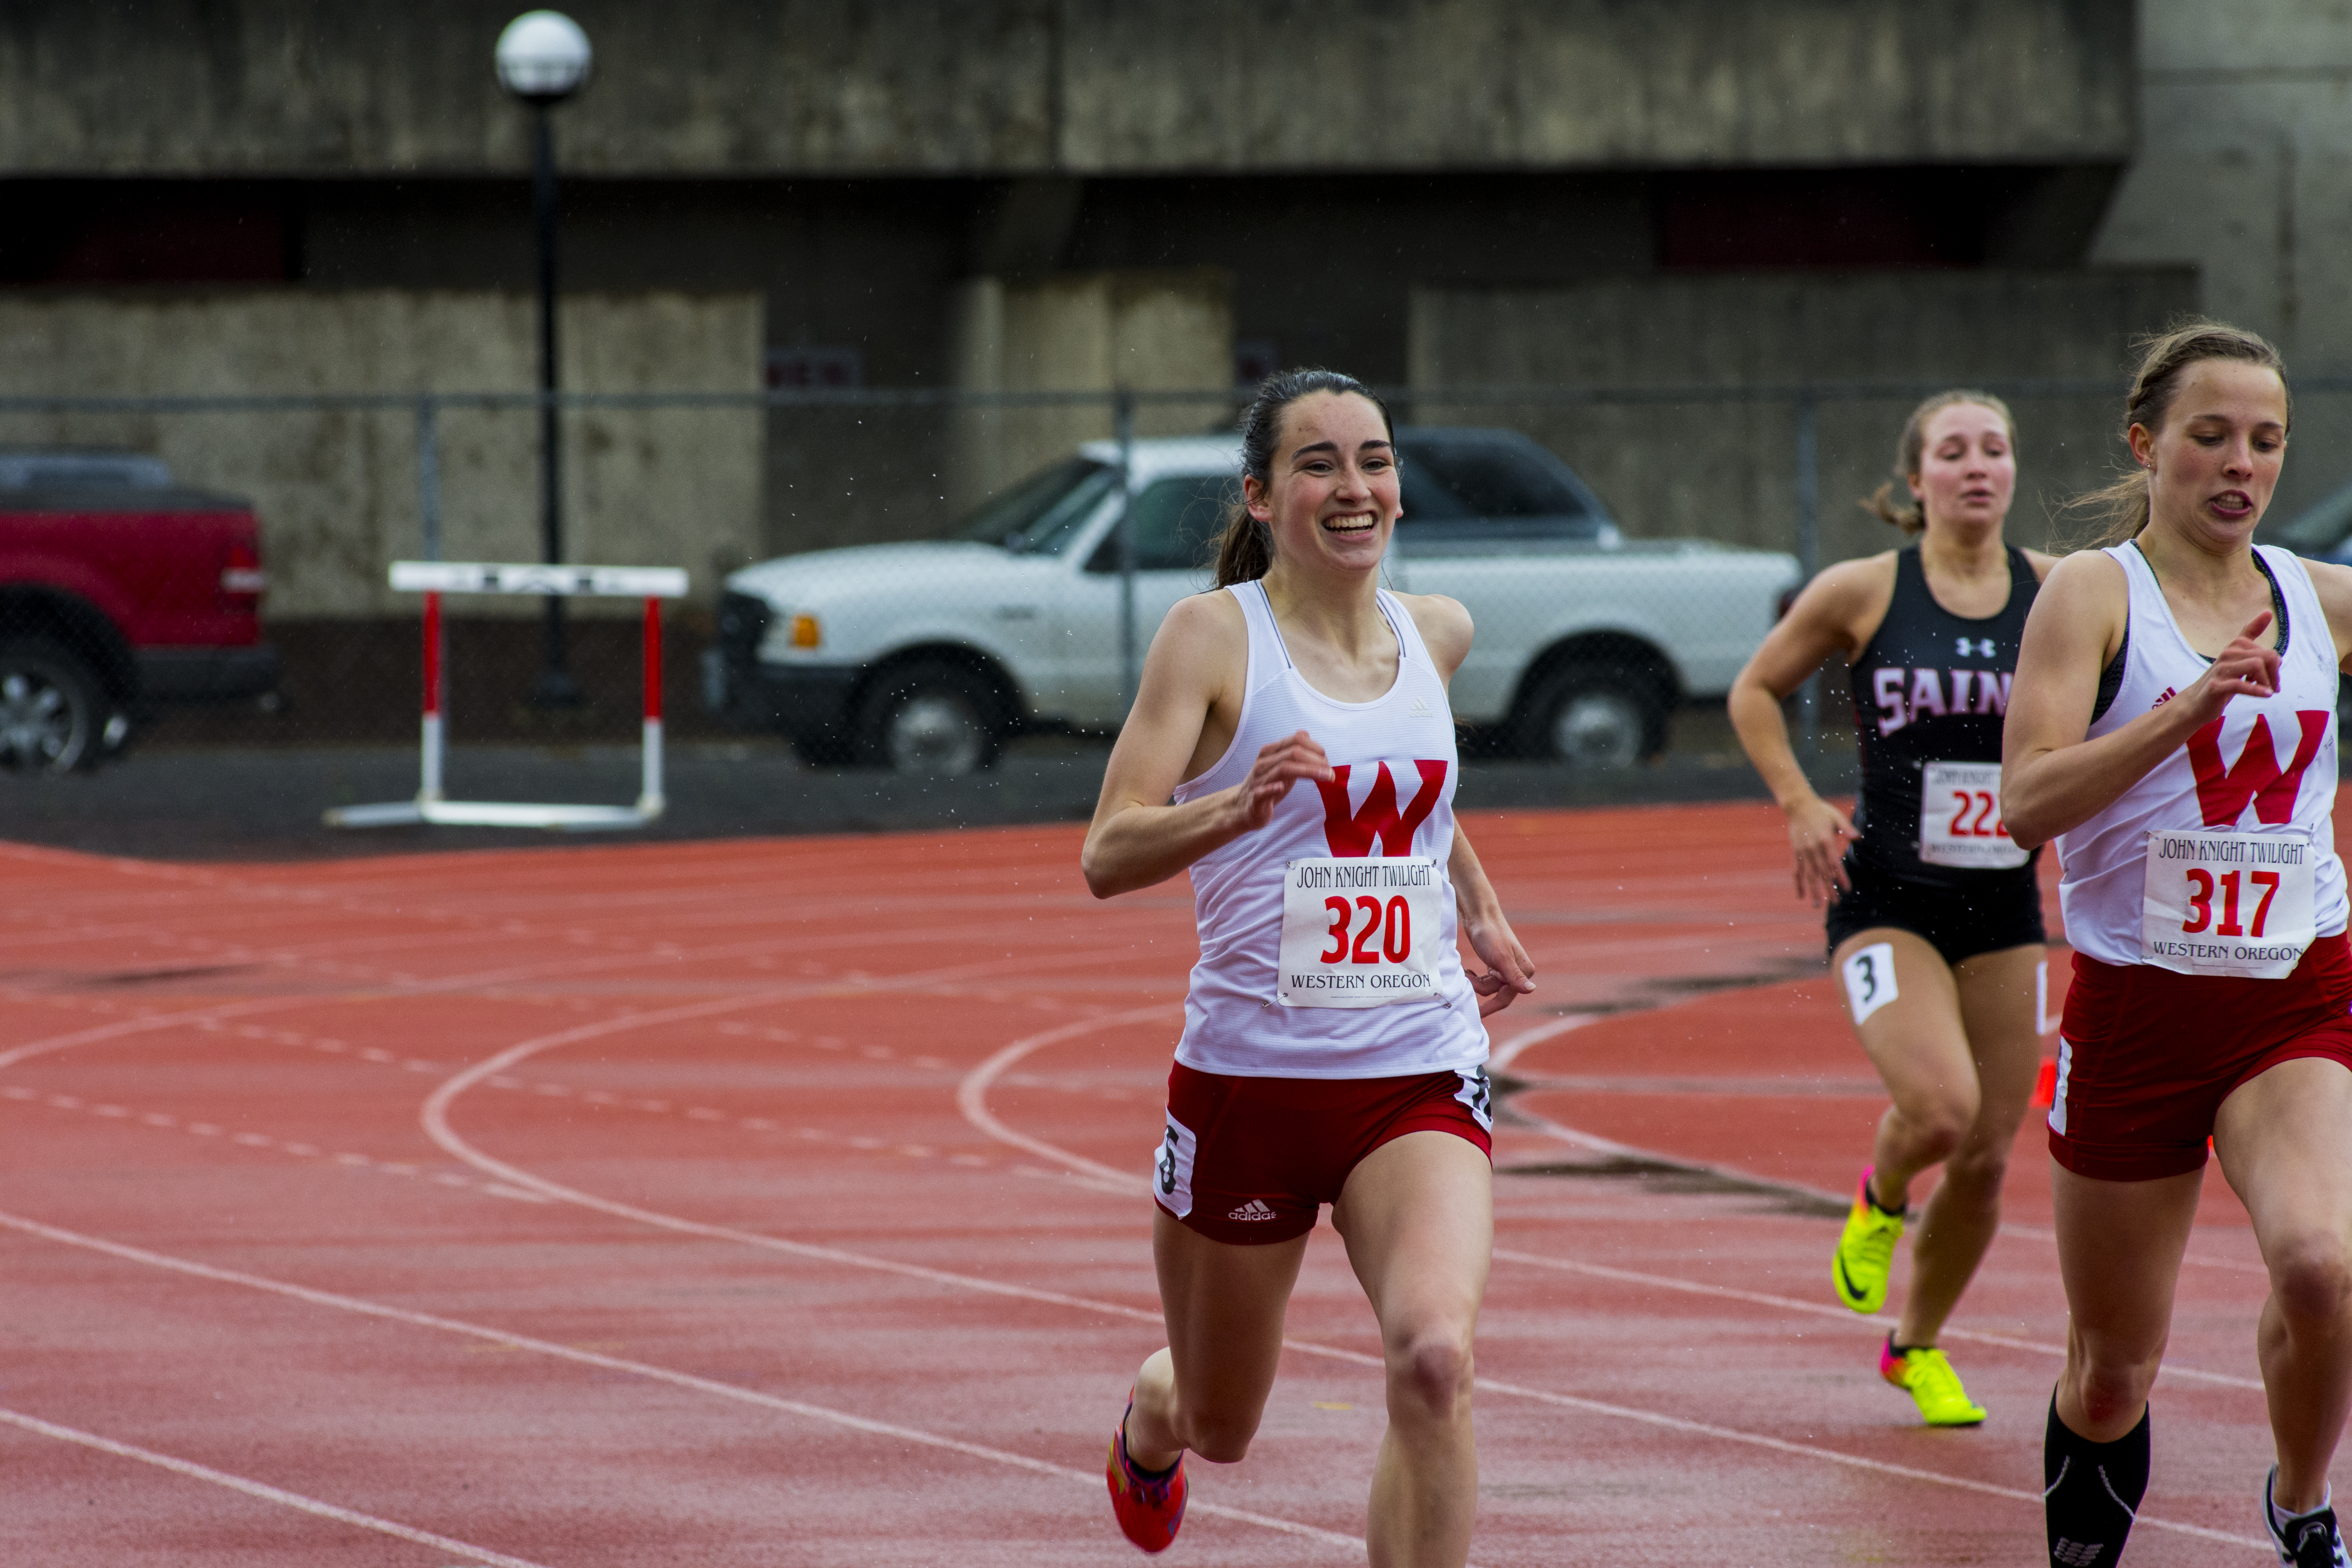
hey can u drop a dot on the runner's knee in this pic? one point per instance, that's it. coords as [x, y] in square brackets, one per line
[2311, 1278]
[1429, 1375]
[1939, 1123]
[2113, 1382]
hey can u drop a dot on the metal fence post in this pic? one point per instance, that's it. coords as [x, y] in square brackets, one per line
[1809, 557]
[437, 648]
[429, 475]
[1124, 412]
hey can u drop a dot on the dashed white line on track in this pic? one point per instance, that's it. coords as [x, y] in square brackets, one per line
[1089, 1479]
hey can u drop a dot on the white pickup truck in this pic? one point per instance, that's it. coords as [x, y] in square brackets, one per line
[925, 656]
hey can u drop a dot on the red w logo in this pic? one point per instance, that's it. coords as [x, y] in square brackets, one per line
[1352, 835]
[2222, 792]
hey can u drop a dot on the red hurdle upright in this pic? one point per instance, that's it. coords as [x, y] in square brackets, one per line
[435, 578]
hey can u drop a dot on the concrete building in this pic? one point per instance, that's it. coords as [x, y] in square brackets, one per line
[1068, 194]
[2244, 173]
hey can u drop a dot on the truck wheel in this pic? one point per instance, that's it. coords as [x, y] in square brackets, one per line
[1596, 716]
[929, 718]
[51, 711]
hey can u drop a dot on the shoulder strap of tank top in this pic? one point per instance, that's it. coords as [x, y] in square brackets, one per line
[1258, 610]
[2290, 584]
[1407, 632]
[1906, 572]
[1910, 577]
[2138, 573]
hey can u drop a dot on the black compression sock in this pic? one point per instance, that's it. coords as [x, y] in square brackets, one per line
[2091, 1492]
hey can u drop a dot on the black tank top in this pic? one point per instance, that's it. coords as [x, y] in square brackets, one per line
[1931, 687]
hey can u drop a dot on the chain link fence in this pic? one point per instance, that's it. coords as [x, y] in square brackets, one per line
[918, 580]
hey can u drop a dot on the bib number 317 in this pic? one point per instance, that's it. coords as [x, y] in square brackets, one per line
[1359, 933]
[2220, 903]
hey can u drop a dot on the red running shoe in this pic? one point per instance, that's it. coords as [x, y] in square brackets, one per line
[1149, 1508]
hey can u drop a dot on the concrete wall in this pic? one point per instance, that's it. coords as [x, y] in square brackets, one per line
[1726, 469]
[1146, 331]
[737, 87]
[337, 491]
[2245, 172]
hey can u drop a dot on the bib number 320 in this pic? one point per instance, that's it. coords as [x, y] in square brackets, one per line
[1359, 933]
[2224, 902]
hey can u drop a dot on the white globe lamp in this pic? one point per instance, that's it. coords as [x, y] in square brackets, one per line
[543, 57]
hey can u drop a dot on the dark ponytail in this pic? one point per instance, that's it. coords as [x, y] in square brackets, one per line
[1246, 549]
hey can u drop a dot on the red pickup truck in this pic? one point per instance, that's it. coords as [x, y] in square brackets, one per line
[118, 591]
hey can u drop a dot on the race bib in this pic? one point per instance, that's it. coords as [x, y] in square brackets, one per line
[1359, 933]
[1959, 818]
[2219, 901]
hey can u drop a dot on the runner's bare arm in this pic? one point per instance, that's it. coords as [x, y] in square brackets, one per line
[1191, 675]
[2052, 778]
[1836, 614]
[1510, 972]
[1444, 626]
[2333, 584]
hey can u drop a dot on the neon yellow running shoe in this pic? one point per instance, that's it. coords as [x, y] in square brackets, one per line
[1922, 1372]
[1865, 1252]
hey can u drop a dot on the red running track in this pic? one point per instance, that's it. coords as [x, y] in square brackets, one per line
[780, 1203]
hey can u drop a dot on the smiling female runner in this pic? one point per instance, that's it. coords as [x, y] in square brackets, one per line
[1333, 1050]
[1934, 919]
[2173, 729]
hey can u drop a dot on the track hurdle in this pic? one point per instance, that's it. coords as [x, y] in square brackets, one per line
[435, 578]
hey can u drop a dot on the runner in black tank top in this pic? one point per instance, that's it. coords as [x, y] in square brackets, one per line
[1934, 914]
[1931, 687]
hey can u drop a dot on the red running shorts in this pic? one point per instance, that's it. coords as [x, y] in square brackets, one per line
[2146, 1056]
[1251, 1160]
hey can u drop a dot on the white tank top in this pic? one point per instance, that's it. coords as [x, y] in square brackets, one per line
[2222, 778]
[1398, 768]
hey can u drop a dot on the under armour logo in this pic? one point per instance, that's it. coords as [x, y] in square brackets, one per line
[1976, 647]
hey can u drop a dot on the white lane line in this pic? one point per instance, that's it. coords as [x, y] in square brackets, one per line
[263, 1491]
[974, 1102]
[1874, 1322]
[971, 1099]
[971, 1096]
[585, 1358]
[1807, 1450]
[434, 1116]
[1509, 1052]
[1522, 1116]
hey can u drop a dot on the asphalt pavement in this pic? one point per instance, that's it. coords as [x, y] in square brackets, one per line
[265, 803]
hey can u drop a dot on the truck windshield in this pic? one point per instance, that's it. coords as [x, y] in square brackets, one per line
[1043, 513]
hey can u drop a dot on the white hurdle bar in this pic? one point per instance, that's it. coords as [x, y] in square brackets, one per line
[435, 578]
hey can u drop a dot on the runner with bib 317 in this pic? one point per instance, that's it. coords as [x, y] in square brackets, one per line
[2172, 730]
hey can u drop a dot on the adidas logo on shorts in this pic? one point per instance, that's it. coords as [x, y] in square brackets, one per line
[1254, 1209]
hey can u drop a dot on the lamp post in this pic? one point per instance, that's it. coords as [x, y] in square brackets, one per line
[542, 59]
